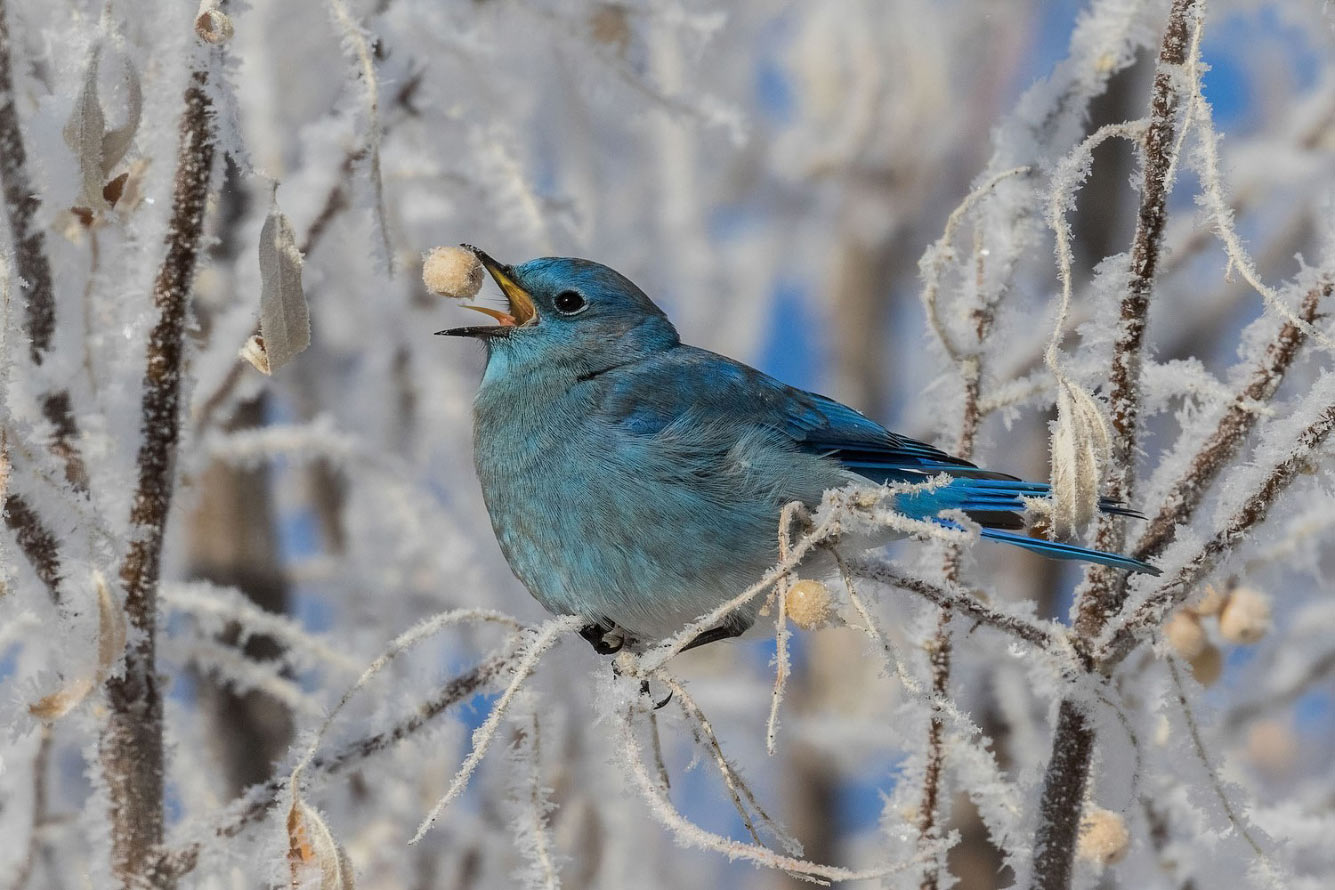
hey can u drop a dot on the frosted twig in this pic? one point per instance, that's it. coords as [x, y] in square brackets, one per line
[933, 263]
[1214, 455]
[1212, 198]
[355, 37]
[1174, 591]
[228, 604]
[132, 745]
[1049, 640]
[1081, 445]
[1064, 782]
[400, 644]
[256, 801]
[792, 512]
[537, 808]
[692, 835]
[1198, 745]
[737, 787]
[545, 637]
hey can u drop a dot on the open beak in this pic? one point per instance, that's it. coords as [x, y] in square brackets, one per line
[522, 309]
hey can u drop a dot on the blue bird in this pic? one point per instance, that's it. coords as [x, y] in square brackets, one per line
[637, 481]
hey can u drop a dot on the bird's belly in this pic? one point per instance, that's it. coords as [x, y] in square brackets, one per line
[613, 539]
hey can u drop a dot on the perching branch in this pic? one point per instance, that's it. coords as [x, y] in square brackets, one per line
[1106, 588]
[1068, 769]
[1051, 641]
[132, 745]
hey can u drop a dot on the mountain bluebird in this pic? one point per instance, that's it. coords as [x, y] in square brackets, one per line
[638, 482]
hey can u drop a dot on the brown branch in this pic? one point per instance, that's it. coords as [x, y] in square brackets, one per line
[1063, 798]
[939, 647]
[169, 865]
[960, 600]
[21, 204]
[1106, 587]
[36, 541]
[1253, 511]
[131, 748]
[33, 268]
[1073, 739]
[1241, 416]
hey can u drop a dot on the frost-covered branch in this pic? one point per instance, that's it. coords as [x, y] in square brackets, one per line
[132, 744]
[1148, 614]
[1215, 455]
[1073, 738]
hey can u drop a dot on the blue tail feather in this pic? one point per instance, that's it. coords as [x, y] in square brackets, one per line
[988, 501]
[1058, 550]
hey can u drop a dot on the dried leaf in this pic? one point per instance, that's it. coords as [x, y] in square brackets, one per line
[253, 351]
[83, 134]
[98, 150]
[1080, 447]
[285, 323]
[311, 850]
[111, 635]
[117, 142]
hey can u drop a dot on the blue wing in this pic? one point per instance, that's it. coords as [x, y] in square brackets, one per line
[648, 396]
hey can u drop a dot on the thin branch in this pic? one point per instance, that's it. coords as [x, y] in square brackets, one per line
[257, 801]
[1220, 448]
[33, 269]
[132, 745]
[1106, 587]
[21, 204]
[1049, 640]
[1173, 592]
[1062, 799]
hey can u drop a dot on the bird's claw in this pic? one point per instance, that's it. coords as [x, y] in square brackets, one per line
[658, 706]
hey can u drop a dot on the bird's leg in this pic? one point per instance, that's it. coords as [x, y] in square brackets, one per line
[725, 631]
[605, 639]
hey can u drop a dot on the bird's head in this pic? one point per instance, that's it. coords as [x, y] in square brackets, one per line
[569, 313]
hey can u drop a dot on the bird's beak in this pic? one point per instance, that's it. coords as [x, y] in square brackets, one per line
[522, 309]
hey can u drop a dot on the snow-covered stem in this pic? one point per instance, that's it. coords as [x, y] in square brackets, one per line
[738, 789]
[1176, 589]
[544, 638]
[1105, 587]
[1051, 640]
[257, 800]
[1238, 420]
[131, 749]
[690, 834]
[28, 250]
[1062, 800]
[21, 205]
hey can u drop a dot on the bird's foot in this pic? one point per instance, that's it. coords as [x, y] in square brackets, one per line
[605, 640]
[658, 706]
[725, 631]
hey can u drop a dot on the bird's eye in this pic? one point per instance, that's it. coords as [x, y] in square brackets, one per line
[569, 302]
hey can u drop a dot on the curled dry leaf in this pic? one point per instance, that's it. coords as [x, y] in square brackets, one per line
[312, 851]
[1080, 448]
[285, 323]
[110, 644]
[253, 352]
[83, 134]
[98, 149]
